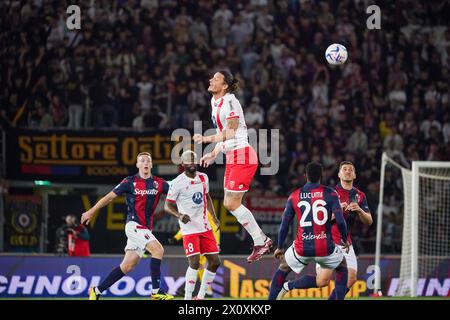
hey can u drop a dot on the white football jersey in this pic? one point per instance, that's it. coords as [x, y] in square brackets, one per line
[224, 109]
[190, 197]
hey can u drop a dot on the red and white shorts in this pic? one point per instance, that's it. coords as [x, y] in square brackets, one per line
[240, 169]
[200, 243]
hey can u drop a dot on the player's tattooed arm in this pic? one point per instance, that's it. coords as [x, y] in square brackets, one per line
[103, 202]
[210, 208]
[228, 133]
[171, 208]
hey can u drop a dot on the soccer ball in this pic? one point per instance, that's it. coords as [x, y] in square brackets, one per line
[336, 54]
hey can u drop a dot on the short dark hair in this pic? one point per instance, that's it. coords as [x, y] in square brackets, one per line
[230, 80]
[344, 163]
[314, 172]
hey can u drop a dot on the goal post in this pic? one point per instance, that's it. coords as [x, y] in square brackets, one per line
[425, 236]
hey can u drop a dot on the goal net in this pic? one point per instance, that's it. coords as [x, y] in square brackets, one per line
[414, 221]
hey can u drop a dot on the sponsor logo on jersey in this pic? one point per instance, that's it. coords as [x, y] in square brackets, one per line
[197, 197]
[145, 192]
[311, 236]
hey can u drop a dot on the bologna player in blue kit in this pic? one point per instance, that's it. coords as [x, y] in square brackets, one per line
[313, 205]
[354, 204]
[143, 192]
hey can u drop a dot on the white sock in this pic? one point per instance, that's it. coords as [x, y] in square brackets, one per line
[247, 220]
[191, 279]
[207, 280]
[97, 291]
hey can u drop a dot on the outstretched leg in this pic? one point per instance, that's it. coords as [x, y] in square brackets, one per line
[130, 260]
[262, 244]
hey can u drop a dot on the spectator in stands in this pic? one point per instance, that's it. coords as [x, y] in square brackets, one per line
[358, 141]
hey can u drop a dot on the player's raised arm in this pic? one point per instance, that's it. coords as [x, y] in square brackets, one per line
[103, 202]
[228, 133]
[125, 186]
[286, 220]
[209, 157]
[232, 119]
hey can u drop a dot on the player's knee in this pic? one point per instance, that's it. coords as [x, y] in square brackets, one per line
[214, 264]
[157, 252]
[127, 267]
[284, 267]
[194, 263]
[322, 282]
[351, 278]
[231, 204]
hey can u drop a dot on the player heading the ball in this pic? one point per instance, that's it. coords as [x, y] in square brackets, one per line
[241, 159]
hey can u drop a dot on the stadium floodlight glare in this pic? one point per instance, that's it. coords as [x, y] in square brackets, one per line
[42, 183]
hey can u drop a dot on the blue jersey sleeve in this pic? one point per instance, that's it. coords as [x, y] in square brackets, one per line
[124, 187]
[286, 220]
[333, 200]
[364, 205]
[165, 188]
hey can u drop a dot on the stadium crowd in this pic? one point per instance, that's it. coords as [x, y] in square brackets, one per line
[145, 64]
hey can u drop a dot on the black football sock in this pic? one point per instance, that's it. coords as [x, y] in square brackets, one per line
[114, 276]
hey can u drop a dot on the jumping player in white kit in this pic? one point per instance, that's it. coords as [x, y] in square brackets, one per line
[241, 158]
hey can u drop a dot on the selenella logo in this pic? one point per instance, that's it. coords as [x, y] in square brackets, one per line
[145, 192]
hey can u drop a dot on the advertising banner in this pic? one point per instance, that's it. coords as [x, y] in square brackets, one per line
[77, 156]
[34, 276]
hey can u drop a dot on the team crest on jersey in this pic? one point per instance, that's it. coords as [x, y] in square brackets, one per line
[155, 184]
[197, 197]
